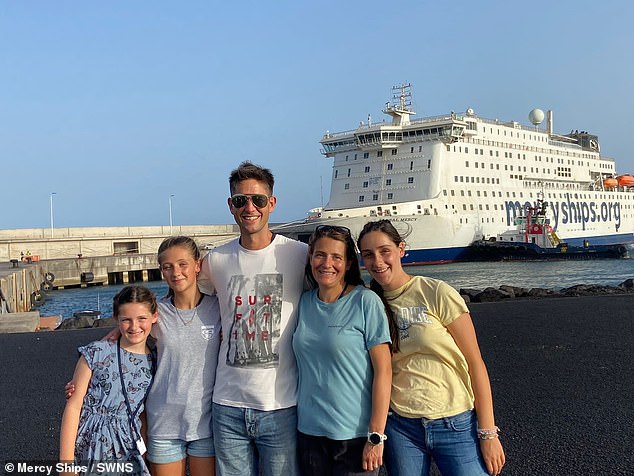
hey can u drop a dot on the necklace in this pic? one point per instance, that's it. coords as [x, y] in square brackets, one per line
[186, 322]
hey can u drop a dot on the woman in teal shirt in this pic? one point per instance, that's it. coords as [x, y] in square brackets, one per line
[342, 348]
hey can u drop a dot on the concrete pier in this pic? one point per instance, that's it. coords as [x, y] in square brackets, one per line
[32, 262]
[103, 241]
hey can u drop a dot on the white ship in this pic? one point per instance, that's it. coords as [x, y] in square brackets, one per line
[447, 181]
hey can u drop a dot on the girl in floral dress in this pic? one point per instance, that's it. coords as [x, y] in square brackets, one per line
[101, 422]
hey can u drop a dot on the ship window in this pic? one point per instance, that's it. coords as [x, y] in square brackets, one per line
[336, 173]
[469, 192]
[346, 186]
[476, 152]
[453, 193]
[478, 193]
[375, 196]
[361, 198]
[355, 156]
[379, 153]
[464, 206]
[394, 151]
[390, 196]
[477, 165]
[420, 148]
[462, 193]
[471, 206]
[390, 166]
[388, 182]
[365, 184]
[348, 172]
[466, 163]
[367, 169]
[411, 165]
[346, 158]
[429, 164]
[466, 150]
[411, 150]
[366, 155]
[444, 192]
[455, 178]
[410, 179]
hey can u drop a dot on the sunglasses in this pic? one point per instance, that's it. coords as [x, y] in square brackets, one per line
[335, 228]
[240, 200]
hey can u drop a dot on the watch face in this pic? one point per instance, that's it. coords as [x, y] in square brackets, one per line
[375, 438]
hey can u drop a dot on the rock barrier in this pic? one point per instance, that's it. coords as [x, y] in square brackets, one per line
[491, 294]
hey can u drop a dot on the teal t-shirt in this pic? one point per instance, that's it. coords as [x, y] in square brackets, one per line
[331, 345]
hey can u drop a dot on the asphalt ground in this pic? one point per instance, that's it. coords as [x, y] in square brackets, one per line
[562, 371]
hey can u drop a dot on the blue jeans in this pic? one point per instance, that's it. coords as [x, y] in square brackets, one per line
[452, 442]
[254, 442]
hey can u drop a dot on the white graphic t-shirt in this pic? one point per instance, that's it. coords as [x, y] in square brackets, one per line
[258, 292]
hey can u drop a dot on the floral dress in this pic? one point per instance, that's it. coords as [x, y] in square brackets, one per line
[105, 432]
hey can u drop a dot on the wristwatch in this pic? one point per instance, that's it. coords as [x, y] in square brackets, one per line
[376, 438]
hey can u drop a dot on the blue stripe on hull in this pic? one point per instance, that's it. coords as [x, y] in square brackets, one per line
[448, 255]
[435, 256]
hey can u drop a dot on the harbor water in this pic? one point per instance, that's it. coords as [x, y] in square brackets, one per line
[527, 274]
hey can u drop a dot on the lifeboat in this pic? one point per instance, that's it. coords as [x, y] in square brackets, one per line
[610, 182]
[625, 180]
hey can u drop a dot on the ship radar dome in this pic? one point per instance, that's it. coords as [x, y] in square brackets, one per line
[536, 116]
[470, 112]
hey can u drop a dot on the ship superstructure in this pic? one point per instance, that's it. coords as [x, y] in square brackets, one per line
[446, 181]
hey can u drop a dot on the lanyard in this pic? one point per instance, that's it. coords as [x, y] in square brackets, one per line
[132, 414]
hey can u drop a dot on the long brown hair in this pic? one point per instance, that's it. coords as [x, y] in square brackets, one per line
[384, 226]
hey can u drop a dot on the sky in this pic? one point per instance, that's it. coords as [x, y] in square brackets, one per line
[119, 107]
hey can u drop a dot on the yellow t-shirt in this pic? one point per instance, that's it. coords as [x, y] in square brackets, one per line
[430, 376]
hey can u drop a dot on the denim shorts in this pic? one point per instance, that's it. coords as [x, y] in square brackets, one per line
[161, 451]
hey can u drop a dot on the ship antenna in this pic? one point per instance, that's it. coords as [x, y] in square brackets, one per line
[401, 109]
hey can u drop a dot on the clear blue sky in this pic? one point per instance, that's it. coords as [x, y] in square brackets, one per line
[116, 105]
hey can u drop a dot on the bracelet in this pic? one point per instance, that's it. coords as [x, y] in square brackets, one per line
[488, 433]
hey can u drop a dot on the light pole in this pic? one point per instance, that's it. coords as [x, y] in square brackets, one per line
[170, 201]
[52, 193]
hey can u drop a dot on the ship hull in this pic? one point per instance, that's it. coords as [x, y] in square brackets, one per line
[437, 240]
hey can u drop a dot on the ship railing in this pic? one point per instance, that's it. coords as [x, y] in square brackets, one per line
[377, 125]
[513, 124]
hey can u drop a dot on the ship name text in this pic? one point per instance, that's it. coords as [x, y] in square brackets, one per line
[571, 212]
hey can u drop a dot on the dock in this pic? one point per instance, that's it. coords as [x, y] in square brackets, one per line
[33, 262]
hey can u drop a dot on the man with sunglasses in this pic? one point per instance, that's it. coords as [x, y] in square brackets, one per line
[259, 280]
